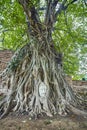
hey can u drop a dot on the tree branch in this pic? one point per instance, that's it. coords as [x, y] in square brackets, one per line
[85, 2]
[31, 14]
[63, 7]
[30, 10]
[55, 2]
[48, 11]
[73, 1]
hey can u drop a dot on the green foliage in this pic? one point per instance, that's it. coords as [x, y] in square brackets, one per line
[13, 25]
[70, 38]
[69, 35]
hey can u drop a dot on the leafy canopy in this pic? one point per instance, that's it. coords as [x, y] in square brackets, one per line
[69, 32]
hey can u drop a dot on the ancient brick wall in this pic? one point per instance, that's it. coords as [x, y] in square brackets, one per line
[79, 83]
[75, 82]
[5, 56]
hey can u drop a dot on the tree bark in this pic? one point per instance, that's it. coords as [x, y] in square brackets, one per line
[34, 77]
[37, 84]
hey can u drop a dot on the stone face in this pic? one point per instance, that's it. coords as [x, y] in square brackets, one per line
[42, 90]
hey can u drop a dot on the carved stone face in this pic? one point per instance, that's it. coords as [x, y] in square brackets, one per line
[42, 90]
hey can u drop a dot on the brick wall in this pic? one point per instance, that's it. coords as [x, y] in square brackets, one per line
[5, 56]
[79, 83]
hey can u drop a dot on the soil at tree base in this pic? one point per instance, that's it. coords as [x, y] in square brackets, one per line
[23, 122]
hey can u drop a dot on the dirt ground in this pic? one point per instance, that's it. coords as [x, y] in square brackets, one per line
[71, 122]
[15, 121]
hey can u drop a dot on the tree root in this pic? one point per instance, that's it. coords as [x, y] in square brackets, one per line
[38, 86]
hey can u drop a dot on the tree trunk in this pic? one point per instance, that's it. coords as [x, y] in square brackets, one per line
[37, 84]
[35, 78]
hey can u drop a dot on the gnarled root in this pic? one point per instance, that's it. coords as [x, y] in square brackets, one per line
[37, 86]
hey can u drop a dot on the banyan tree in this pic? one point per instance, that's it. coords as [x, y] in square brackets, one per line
[34, 76]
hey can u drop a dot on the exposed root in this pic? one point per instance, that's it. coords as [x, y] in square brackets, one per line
[37, 85]
[77, 111]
